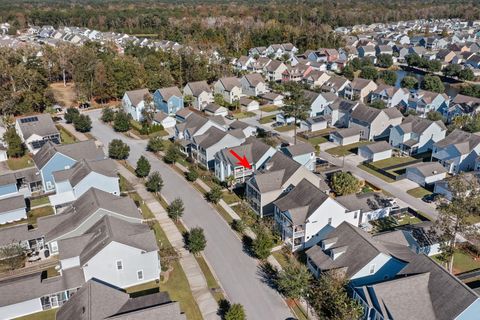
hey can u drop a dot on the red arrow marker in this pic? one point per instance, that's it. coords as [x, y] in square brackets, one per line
[241, 160]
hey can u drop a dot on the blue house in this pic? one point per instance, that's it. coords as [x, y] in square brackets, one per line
[8, 185]
[169, 100]
[424, 101]
[51, 158]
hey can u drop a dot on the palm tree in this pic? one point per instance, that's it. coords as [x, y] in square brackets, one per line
[296, 106]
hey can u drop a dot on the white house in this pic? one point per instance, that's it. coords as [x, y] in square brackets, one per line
[133, 103]
[200, 92]
[163, 119]
[374, 123]
[230, 88]
[391, 96]
[12, 209]
[303, 153]
[247, 104]
[376, 151]
[314, 123]
[426, 173]
[369, 206]
[213, 109]
[458, 151]
[345, 136]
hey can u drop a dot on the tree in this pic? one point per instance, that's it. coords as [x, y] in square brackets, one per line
[235, 312]
[344, 183]
[433, 83]
[434, 115]
[148, 111]
[293, 280]
[155, 144]
[192, 175]
[238, 225]
[263, 244]
[173, 154]
[12, 256]
[196, 241]
[15, 146]
[328, 297]
[107, 115]
[389, 77]
[215, 194]
[117, 149]
[154, 182]
[452, 70]
[297, 106]
[378, 104]
[71, 114]
[82, 123]
[175, 209]
[143, 167]
[455, 216]
[466, 74]
[348, 72]
[369, 72]
[384, 60]
[409, 82]
[434, 65]
[121, 122]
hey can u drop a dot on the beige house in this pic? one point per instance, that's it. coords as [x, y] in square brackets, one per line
[200, 92]
[230, 88]
[360, 89]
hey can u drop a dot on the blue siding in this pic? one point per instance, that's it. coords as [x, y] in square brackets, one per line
[8, 189]
[174, 103]
[472, 312]
[57, 162]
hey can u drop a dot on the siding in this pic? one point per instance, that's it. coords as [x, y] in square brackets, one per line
[8, 189]
[20, 309]
[11, 216]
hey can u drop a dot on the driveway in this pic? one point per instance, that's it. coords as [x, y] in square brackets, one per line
[238, 273]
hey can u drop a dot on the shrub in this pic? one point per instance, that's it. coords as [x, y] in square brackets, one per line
[192, 175]
[214, 195]
[119, 150]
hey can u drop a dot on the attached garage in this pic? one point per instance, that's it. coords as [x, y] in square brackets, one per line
[426, 173]
[376, 151]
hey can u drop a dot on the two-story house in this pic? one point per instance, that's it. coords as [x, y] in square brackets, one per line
[305, 215]
[169, 100]
[230, 88]
[367, 206]
[335, 84]
[391, 96]
[200, 93]
[359, 89]
[52, 157]
[417, 135]
[37, 130]
[374, 123]
[458, 151]
[253, 85]
[133, 103]
[422, 102]
[316, 79]
[273, 71]
[303, 153]
[339, 112]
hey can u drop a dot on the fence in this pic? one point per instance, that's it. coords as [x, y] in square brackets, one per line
[385, 171]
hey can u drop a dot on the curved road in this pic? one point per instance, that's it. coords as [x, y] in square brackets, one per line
[238, 273]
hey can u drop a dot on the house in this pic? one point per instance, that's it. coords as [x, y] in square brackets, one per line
[422, 290]
[368, 206]
[100, 301]
[256, 153]
[273, 71]
[318, 101]
[133, 103]
[213, 109]
[335, 84]
[461, 105]
[272, 98]
[366, 51]
[12, 209]
[72, 183]
[51, 158]
[230, 88]
[316, 79]
[376, 151]
[194, 125]
[243, 62]
[391, 96]
[422, 102]
[305, 215]
[200, 92]
[205, 146]
[164, 120]
[259, 51]
[8, 185]
[36, 130]
[345, 136]
[442, 187]
[445, 55]
[474, 61]
[278, 175]
[253, 85]
[331, 54]
[359, 89]
[458, 151]
[417, 135]
[303, 153]
[426, 173]
[168, 100]
[314, 123]
[247, 104]
[247, 129]
[357, 255]
[374, 123]
[339, 112]
[182, 114]
[383, 49]
[296, 73]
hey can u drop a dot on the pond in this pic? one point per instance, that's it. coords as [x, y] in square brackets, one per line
[450, 90]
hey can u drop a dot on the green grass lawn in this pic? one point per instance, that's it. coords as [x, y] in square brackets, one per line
[419, 192]
[285, 128]
[462, 262]
[230, 197]
[269, 108]
[391, 162]
[44, 315]
[125, 185]
[346, 150]
[39, 201]
[388, 223]
[267, 119]
[34, 214]
[65, 136]
[147, 213]
[243, 114]
[20, 163]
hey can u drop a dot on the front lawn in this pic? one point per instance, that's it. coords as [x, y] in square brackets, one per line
[39, 201]
[146, 212]
[285, 128]
[211, 280]
[391, 162]
[341, 151]
[34, 214]
[269, 108]
[20, 163]
[267, 119]
[243, 114]
[65, 136]
[419, 192]
[44, 315]
[230, 197]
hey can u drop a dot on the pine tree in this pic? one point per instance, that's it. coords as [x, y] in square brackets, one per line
[196, 241]
[154, 182]
[143, 167]
[119, 150]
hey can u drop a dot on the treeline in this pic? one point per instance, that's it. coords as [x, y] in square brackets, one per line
[99, 73]
[232, 27]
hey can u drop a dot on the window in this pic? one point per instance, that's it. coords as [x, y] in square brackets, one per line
[355, 215]
[140, 274]
[329, 221]
[119, 264]
[54, 247]
[372, 269]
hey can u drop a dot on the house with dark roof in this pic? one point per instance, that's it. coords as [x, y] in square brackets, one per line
[391, 96]
[72, 183]
[426, 173]
[273, 70]
[305, 215]
[458, 151]
[277, 177]
[193, 125]
[359, 89]
[417, 135]
[169, 100]
[201, 93]
[133, 102]
[230, 88]
[335, 84]
[461, 105]
[316, 123]
[303, 153]
[339, 111]
[358, 256]
[213, 109]
[253, 85]
[374, 123]
[96, 300]
[368, 206]
[37, 130]
[52, 157]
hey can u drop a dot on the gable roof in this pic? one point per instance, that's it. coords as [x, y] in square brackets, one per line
[82, 168]
[376, 147]
[169, 92]
[463, 141]
[12, 203]
[298, 149]
[418, 125]
[137, 96]
[428, 169]
[230, 82]
[197, 87]
[193, 123]
[211, 137]
[365, 202]
[360, 83]
[77, 151]
[39, 124]
[254, 79]
[253, 149]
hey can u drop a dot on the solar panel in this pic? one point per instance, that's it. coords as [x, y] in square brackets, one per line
[29, 119]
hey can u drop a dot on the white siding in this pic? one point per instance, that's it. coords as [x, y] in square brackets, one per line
[20, 309]
[14, 215]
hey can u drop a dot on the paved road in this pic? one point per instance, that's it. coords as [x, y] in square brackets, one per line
[238, 273]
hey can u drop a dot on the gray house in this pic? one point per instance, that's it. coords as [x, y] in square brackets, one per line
[37, 130]
[374, 123]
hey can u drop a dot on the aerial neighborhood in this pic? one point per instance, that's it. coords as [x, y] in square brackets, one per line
[355, 167]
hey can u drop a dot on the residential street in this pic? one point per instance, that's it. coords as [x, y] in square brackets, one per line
[237, 272]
